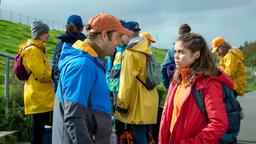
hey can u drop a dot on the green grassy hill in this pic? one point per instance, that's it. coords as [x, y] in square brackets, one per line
[12, 34]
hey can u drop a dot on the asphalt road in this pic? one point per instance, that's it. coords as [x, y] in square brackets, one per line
[248, 124]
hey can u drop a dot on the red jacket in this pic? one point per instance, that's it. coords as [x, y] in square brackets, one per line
[191, 126]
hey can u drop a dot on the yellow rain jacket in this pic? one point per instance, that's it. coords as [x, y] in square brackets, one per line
[38, 90]
[232, 64]
[140, 104]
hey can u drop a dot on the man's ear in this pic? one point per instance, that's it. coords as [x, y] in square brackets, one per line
[197, 54]
[103, 35]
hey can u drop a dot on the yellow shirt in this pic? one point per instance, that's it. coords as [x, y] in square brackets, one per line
[178, 99]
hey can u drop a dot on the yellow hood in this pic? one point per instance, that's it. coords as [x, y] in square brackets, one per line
[238, 53]
[139, 44]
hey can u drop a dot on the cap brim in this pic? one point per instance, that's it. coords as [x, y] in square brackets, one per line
[152, 40]
[125, 31]
[214, 49]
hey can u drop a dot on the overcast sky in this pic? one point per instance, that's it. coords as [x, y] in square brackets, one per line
[233, 19]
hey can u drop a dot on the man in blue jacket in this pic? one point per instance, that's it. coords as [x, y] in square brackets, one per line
[82, 109]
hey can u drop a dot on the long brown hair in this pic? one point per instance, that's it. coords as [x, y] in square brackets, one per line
[202, 66]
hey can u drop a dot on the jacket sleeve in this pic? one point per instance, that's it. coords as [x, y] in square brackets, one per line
[230, 65]
[128, 75]
[217, 116]
[38, 64]
[109, 67]
[75, 122]
[77, 88]
[169, 59]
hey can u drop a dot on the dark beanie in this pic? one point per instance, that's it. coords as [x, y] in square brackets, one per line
[38, 28]
[76, 20]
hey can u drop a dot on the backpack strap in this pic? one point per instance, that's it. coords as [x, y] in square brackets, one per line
[23, 49]
[141, 81]
[198, 96]
[144, 84]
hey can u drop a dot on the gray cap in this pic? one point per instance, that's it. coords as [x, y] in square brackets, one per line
[38, 28]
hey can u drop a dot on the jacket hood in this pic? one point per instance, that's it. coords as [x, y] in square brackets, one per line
[71, 38]
[222, 78]
[38, 43]
[238, 53]
[139, 44]
[68, 53]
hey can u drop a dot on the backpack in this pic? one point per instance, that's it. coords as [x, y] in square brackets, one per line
[18, 67]
[233, 110]
[153, 77]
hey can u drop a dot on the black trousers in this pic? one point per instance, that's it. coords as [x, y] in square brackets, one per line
[39, 121]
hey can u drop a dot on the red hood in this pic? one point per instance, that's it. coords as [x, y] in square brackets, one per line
[222, 78]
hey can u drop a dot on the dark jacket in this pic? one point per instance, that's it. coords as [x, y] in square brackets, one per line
[168, 68]
[69, 38]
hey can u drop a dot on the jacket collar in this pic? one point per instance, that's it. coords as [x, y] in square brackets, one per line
[184, 72]
[81, 45]
[85, 47]
[71, 38]
[96, 48]
[38, 43]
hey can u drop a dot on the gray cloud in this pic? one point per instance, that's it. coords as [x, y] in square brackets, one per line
[233, 19]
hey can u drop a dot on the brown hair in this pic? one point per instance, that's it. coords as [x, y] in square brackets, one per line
[93, 35]
[184, 28]
[225, 47]
[72, 29]
[203, 66]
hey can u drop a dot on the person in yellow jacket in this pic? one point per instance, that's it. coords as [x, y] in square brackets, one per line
[231, 62]
[38, 90]
[135, 104]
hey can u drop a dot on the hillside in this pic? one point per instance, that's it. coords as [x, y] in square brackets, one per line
[249, 50]
[12, 34]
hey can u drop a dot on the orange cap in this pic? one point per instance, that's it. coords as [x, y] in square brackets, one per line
[103, 21]
[216, 43]
[148, 36]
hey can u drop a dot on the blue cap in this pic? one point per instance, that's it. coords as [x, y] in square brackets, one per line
[132, 25]
[76, 20]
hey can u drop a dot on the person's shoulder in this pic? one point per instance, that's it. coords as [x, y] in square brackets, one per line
[83, 60]
[205, 81]
[33, 49]
[81, 64]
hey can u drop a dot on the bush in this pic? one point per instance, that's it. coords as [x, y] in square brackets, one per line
[13, 118]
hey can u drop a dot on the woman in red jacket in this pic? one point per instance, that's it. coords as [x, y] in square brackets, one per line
[182, 121]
